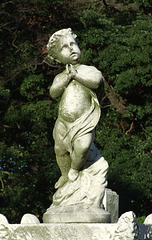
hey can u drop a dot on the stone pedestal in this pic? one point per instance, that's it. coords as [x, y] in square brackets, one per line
[76, 214]
[126, 228]
[111, 204]
[85, 213]
[81, 201]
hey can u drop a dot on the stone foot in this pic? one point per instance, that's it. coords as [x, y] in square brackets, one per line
[73, 174]
[62, 180]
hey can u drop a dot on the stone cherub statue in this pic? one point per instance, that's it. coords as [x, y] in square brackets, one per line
[83, 169]
[79, 110]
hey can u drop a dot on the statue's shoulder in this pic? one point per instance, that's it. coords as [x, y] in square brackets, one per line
[86, 68]
[60, 75]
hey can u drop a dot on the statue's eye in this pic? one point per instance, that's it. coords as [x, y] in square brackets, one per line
[64, 47]
[72, 44]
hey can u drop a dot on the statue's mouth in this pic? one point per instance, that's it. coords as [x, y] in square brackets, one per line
[74, 56]
[74, 53]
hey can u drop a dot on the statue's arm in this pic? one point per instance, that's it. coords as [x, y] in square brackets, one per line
[60, 82]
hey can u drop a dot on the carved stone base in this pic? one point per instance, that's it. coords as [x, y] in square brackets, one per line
[76, 214]
[127, 228]
[89, 187]
[111, 204]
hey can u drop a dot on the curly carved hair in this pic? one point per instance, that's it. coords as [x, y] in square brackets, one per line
[55, 38]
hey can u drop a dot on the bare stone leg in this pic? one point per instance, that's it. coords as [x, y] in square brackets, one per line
[64, 163]
[79, 154]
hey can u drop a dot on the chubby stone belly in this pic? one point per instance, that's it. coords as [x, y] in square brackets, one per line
[75, 101]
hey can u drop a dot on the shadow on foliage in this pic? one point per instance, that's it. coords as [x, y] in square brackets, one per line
[131, 197]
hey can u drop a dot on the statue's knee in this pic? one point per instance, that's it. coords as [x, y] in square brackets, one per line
[82, 147]
[81, 152]
[85, 150]
[59, 150]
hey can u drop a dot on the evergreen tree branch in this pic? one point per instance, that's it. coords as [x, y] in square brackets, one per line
[118, 103]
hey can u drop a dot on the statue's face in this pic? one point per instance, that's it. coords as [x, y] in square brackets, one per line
[67, 50]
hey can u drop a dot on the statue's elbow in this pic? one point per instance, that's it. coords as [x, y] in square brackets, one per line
[98, 83]
[100, 80]
[53, 93]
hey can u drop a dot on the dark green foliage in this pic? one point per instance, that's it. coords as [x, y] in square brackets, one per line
[28, 168]
[114, 38]
[123, 53]
[130, 171]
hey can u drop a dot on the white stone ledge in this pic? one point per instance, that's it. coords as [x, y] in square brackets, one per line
[126, 228]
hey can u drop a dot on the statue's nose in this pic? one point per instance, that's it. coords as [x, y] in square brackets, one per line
[71, 48]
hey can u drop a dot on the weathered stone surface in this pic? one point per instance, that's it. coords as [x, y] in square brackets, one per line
[89, 187]
[29, 219]
[3, 219]
[126, 228]
[111, 204]
[148, 219]
[76, 214]
[81, 200]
